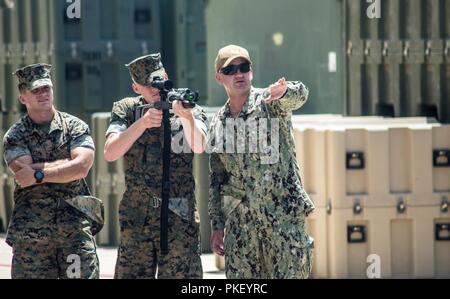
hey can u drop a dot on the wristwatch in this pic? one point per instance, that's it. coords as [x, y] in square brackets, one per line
[39, 175]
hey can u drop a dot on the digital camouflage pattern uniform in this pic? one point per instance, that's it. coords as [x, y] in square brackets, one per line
[140, 209]
[44, 231]
[262, 206]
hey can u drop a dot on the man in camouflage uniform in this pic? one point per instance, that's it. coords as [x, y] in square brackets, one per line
[140, 143]
[50, 154]
[257, 204]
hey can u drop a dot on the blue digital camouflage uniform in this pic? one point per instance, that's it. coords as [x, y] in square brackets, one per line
[262, 205]
[44, 231]
[140, 209]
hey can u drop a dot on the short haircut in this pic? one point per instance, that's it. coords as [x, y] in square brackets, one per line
[22, 88]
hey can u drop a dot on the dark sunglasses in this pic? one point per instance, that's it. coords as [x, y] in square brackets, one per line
[233, 68]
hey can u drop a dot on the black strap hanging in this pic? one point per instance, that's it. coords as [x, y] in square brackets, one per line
[165, 192]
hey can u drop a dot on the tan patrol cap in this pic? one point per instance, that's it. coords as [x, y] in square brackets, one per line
[228, 54]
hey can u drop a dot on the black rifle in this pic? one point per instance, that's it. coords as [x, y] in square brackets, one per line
[187, 97]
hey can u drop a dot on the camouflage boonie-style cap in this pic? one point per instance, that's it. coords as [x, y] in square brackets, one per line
[34, 75]
[144, 69]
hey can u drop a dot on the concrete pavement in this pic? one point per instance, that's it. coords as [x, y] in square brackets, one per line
[107, 258]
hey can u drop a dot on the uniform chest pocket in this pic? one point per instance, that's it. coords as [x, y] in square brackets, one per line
[62, 150]
[48, 149]
[153, 154]
[40, 151]
[147, 147]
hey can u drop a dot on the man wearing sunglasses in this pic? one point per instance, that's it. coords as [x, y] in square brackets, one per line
[257, 208]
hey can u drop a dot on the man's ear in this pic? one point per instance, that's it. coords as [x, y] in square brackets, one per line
[21, 99]
[135, 88]
[219, 78]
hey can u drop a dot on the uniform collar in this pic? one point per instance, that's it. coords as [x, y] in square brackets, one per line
[55, 124]
[249, 107]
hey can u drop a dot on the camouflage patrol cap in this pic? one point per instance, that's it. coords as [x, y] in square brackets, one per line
[34, 76]
[144, 69]
[227, 54]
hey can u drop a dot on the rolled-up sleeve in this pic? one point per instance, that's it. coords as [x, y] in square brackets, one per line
[116, 127]
[14, 147]
[84, 141]
[118, 122]
[81, 134]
